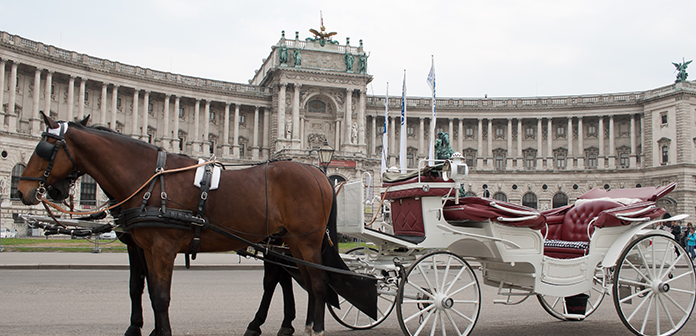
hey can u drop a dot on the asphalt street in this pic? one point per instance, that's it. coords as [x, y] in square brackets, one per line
[222, 302]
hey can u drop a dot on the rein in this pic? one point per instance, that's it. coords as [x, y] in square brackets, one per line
[157, 174]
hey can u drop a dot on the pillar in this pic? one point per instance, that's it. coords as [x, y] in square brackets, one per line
[508, 156]
[71, 98]
[255, 137]
[296, 116]
[540, 154]
[206, 129]
[489, 150]
[612, 147]
[166, 137]
[348, 140]
[549, 144]
[47, 93]
[460, 141]
[392, 141]
[35, 124]
[519, 143]
[176, 142]
[581, 145]
[361, 118]
[235, 137]
[81, 99]
[479, 145]
[373, 136]
[196, 141]
[421, 137]
[102, 119]
[266, 133]
[226, 132]
[12, 98]
[633, 141]
[281, 111]
[135, 131]
[569, 158]
[146, 117]
[114, 107]
[3, 62]
[600, 135]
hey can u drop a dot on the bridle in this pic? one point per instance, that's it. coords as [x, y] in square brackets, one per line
[48, 151]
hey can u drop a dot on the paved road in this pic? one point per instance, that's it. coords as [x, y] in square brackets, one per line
[222, 302]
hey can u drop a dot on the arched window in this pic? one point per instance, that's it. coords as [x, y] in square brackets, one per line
[559, 200]
[88, 191]
[486, 193]
[499, 196]
[529, 200]
[17, 171]
[336, 179]
[316, 106]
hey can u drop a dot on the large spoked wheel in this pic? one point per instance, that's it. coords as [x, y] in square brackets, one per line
[654, 287]
[558, 306]
[362, 261]
[440, 294]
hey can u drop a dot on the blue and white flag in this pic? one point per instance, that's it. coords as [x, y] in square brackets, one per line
[433, 121]
[402, 148]
[385, 140]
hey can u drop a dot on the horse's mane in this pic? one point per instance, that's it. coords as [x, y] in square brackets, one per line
[109, 131]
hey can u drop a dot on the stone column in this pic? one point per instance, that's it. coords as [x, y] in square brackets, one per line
[373, 137]
[451, 130]
[281, 111]
[361, 118]
[569, 157]
[266, 133]
[235, 139]
[146, 117]
[633, 141]
[226, 132]
[206, 129]
[338, 135]
[460, 138]
[102, 118]
[71, 98]
[81, 99]
[349, 117]
[549, 144]
[196, 141]
[489, 144]
[479, 145]
[600, 135]
[47, 93]
[3, 63]
[12, 98]
[640, 121]
[421, 137]
[166, 137]
[135, 131]
[176, 142]
[296, 117]
[540, 153]
[392, 140]
[508, 156]
[581, 146]
[34, 121]
[612, 147]
[519, 143]
[114, 107]
[255, 139]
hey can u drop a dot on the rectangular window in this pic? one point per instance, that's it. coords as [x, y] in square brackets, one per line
[499, 162]
[592, 161]
[212, 147]
[623, 160]
[241, 150]
[409, 130]
[52, 88]
[86, 96]
[560, 161]
[409, 160]
[150, 107]
[242, 118]
[530, 162]
[212, 115]
[438, 130]
[88, 191]
[470, 160]
[118, 103]
[663, 118]
[665, 154]
[182, 112]
[181, 144]
[591, 130]
[560, 131]
[499, 132]
[380, 129]
[469, 131]
[530, 131]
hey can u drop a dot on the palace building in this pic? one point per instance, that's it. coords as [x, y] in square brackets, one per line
[541, 152]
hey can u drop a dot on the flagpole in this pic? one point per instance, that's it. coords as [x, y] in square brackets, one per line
[385, 140]
[433, 121]
[402, 148]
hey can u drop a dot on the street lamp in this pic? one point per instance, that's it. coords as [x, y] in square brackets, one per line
[325, 155]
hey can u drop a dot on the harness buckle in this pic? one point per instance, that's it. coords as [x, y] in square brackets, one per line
[163, 195]
[146, 196]
[159, 170]
[204, 195]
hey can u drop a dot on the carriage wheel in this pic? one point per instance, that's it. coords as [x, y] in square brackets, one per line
[440, 294]
[353, 318]
[654, 290]
[556, 305]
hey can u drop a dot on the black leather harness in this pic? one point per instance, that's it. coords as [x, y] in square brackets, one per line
[162, 217]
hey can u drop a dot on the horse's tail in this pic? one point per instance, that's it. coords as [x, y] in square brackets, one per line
[331, 225]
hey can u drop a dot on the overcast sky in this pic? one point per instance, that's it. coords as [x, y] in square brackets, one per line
[499, 48]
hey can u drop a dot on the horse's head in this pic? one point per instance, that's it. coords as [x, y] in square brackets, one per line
[51, 168]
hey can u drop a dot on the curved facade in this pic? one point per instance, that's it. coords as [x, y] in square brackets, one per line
[537, 151]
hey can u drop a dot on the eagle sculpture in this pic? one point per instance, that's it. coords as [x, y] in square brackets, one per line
[322, 34]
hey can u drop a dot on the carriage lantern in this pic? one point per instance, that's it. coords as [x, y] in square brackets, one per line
[325, 155]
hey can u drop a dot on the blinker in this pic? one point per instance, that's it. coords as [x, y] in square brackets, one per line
[44, 149]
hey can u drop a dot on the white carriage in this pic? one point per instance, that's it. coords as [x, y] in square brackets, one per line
[570, 258]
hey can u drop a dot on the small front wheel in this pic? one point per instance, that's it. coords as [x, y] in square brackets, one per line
[440, 295]
[654, 286]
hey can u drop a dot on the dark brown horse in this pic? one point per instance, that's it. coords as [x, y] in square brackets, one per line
[286, 198]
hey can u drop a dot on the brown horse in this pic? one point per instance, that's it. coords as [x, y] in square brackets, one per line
[285, 198]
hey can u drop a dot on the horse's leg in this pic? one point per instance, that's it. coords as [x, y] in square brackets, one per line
[286, 328]
[271, 277]
[136, 284]
[160, 265]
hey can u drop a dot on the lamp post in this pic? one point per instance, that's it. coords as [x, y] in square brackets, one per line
[325, 155]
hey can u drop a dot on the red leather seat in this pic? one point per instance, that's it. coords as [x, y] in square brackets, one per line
[480, 209]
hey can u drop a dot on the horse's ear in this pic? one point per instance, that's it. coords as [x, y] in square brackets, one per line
[48, 121]
[85, 120]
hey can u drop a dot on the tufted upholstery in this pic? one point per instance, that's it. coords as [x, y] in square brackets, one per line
[479, 209]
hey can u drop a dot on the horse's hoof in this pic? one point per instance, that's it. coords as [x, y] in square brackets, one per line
[133, 331]
[308, 330]
[250, 332]
[285, 331]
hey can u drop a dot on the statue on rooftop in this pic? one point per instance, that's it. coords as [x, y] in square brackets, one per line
[681, 68]
[349, 58]
[362, 64]
[283, 57]
[297, 56]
